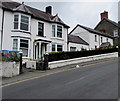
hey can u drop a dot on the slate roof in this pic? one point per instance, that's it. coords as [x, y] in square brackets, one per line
[92, 31]
[38, 14]
[76, 39]
[108, 20]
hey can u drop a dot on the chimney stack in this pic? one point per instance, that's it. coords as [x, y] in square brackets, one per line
[49, 10]
[104, 15]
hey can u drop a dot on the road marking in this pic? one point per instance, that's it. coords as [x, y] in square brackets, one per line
[39, 76]
[75, 80]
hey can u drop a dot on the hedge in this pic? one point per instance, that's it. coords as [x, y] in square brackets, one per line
[76, 54]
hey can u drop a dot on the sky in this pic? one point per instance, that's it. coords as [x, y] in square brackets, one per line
[74, 12]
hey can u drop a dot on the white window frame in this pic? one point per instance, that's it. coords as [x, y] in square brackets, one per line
[56, 31]
[18, 48]
[19, 21]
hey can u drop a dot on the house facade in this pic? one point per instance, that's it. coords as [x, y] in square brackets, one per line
[31, 31]
[94, 38]
[108, 26]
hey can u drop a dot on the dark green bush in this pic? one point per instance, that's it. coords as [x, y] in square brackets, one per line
[76, 54]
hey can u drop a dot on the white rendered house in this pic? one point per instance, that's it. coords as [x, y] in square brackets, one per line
[33, 31]
[94, 38]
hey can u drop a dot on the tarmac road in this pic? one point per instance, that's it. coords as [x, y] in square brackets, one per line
[99, 81]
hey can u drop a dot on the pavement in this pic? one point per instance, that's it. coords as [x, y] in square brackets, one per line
[93, 80]
[32, 74]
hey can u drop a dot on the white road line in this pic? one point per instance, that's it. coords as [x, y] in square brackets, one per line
[75, 80]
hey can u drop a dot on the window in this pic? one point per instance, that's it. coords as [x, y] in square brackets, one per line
[95, 38]
[40, 29]
[72, 48]
[115, 32]
[15, 44]
[107, 39]
[24, 23]
[53, 47]
[59, 47]
[59, 31]
[24, 47]
[95, 47]
[101, 39]
[21, 22]
[53, 30]
[16, 21]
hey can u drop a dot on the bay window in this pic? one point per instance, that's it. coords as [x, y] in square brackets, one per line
[16, 21]
[21, 44]
[21, 22]
[53, 30]
[15, 44]
[24, 23]
[59, 31]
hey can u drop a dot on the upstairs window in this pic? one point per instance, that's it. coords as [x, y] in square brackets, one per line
[16, 21]
[24, 25]
[106, 39]
[101, 39]
[59, 31]
[115, 32]
[95, 38]
[21, 22]
[53, 30]
[40, 29]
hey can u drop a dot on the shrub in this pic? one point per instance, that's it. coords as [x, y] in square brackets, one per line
[76, 54]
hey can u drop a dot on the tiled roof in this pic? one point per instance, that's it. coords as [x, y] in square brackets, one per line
[92, 31]
[76, 39]
[38, 14]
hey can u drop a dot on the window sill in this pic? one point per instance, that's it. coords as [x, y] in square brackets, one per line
[57, 38]
[17, 30]
[41, 36]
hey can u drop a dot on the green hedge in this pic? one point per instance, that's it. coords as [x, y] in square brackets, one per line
[76, 54]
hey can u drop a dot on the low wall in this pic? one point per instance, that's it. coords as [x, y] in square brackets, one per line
[9, 69]
[56, 64]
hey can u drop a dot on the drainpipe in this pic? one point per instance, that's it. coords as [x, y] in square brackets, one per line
[2, 28]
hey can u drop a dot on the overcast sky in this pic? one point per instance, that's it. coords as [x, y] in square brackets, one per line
[74, 12]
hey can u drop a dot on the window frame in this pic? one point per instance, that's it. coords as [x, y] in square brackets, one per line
[19, 47]
[19, 22]
[42, 35]
[95, 38]
[60, 32]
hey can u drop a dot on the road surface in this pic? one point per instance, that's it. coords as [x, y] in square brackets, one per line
[99, 81]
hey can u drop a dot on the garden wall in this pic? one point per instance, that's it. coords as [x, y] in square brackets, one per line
[56, 64]
[9, 69]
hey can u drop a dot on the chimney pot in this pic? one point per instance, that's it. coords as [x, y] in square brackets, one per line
[104, 15]
[49, 9]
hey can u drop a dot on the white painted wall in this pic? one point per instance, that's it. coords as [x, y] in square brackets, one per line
[9, 69]
[90, 37]
[82, 33]
[9, 33]
[8, 25]
[78, 46]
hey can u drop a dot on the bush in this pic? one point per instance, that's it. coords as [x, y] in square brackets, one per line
[55, 56]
